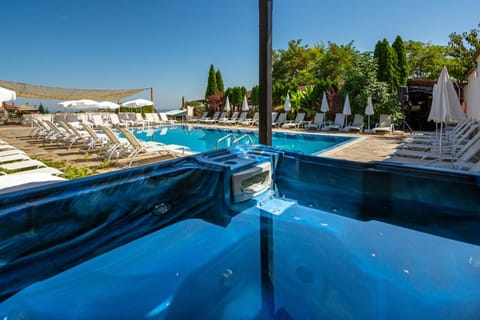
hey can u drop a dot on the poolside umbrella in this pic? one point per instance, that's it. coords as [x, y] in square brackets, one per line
[346, 109]
[79, 104]
[137, 103]
[245, 104]
[108, 105]
[369, 110]
[7, 95]
[445, 104]
[324, 108]
[288, 105]
[228, 107]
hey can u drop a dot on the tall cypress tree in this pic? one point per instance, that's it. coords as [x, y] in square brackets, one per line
[212, 83]
[220, 86]
[386, 61]
[402, 63]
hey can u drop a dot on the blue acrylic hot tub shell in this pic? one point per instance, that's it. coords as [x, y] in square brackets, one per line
[53, 231]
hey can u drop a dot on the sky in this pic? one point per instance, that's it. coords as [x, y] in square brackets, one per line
[169, 45]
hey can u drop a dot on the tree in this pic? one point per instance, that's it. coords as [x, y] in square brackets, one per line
[462, 47]
[293, 67]
[235, 95]
[386, 61]
[216, 100]
[402, 64]
[426, 60]
[41, 109]
[363, 83]
[255, 95]
[212, 83]
[220, 86]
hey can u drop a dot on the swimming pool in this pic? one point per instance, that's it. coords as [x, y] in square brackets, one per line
[201, 139]
[325, 238]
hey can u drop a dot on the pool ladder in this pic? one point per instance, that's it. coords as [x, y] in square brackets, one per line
[236, 140]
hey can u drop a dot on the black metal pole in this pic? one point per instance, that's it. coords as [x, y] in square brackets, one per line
[265, 137]
[265, 72]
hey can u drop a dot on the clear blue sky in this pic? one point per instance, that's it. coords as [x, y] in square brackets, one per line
[169, 45]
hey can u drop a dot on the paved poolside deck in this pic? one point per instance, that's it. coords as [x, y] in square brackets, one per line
[365, 148]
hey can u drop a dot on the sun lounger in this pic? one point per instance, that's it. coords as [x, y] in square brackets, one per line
[295, 123]
[282, 117]
[247, 121]
[26, 180]
[150, 147]
[356, 125]
[384, 125]
[14, 157]
[317, 122]
[115, 146]
[10, 152]
[337, 124]
[22, 165]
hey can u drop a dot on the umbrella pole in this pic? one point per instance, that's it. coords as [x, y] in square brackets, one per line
[441, 130]
[368, 122]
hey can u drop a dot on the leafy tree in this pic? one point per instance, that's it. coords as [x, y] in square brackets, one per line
[426, 60]
[293, 67]
[462, 47]
[216, 101]
[235, 95]
[363, 83]
[402, 64]
[386, 60]
[255, 95]
[212, 83]
[220, 85]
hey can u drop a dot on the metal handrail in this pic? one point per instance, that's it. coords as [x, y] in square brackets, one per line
[242, 137]
[223, 138]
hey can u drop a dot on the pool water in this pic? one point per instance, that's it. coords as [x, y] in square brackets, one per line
[201, 139]
[325, 266]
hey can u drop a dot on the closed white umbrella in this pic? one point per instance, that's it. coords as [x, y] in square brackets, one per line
[445, 103]
[228, 107]
[369, 110]
[7, 95]
[324, 107]
[287, 106]
[346, 109]
[245, 106]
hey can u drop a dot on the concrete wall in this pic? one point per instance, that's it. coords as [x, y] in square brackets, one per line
[472, 93]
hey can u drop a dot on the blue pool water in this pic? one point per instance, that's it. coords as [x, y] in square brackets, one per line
[330, 239]
[201, 139]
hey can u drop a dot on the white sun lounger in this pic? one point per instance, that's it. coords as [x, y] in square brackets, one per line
[21, 165]
[14, 157]
[10, 152]
[26, 180]
[150, 147]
